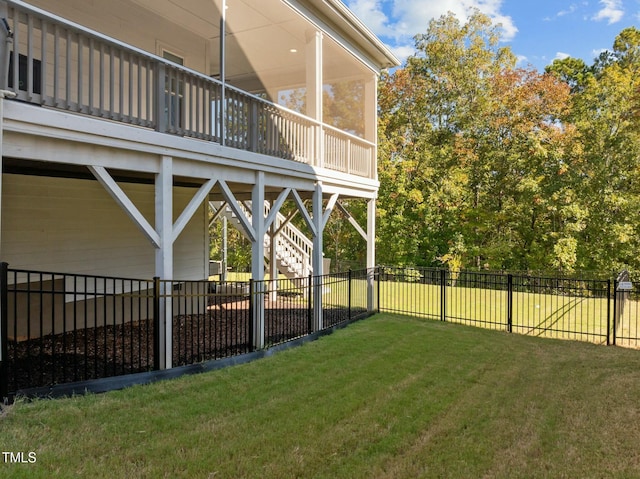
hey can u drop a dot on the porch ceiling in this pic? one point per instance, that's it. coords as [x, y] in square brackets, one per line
[261, 35]
[265, 44]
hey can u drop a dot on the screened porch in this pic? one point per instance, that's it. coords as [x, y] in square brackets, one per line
[275, 84]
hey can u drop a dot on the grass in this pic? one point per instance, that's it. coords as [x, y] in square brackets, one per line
[388, 397]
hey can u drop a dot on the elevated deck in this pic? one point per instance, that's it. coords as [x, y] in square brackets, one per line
[128, 107]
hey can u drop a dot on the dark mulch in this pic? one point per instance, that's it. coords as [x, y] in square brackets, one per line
[115, 350]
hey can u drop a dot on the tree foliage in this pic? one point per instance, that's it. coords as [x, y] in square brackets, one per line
[483, 164]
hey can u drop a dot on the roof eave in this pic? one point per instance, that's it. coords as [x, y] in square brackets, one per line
[359, 31]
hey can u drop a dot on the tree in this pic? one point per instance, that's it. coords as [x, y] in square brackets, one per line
[424, 107]
[572, 71]
[473, 154]
[604, 112]
[520, 172]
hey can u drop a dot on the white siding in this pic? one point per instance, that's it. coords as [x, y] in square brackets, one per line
[74, 226]
[132, 24]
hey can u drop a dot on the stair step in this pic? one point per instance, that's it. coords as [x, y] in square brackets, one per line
[289, 260]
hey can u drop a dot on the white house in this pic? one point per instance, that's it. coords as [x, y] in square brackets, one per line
[122, 119]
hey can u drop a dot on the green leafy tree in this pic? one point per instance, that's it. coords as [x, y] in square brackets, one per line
[424, 108]
[473, 154]
[604, 112]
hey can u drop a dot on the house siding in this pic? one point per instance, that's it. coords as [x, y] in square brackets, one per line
[132, 24]
[71, 225]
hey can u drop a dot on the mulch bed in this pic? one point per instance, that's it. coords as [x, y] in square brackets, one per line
[114, 350]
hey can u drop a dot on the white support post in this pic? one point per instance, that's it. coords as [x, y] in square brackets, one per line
[318, 216]
[314, 75]
[223, 275]
[257, 259]
[162, 237]
[371, 253]
[3, 94]
[273, 260]
[314, 91]
[223, 75]
[370, 120]
[164, 256]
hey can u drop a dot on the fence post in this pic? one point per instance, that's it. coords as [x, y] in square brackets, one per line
[252, 313]
[443, 295]
[379, 274]
[509, 303]
[156, 323]
[615, 310]
[609, 313]
[310, 305]
[4, 379]
[349, 293]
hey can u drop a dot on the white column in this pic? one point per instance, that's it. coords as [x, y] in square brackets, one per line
[273, 261]
[3, 94]
[314, 75]
[257, 259]
[370, 108]
[318, 214]
[371, 120]
[164, 255]
[371, 253]
[5, 48]
[223, 73]
[223, 275]
[314, 91]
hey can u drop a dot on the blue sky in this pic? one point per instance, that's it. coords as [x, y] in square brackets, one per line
[538, 31]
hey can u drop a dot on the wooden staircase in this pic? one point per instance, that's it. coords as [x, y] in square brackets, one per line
[293, 248]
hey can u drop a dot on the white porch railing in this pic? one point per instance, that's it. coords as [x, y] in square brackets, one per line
[66, 66]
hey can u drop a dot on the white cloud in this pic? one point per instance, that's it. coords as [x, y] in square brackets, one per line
[372, 14]
[561, 56]
[413, 16]
[597, 52]
[404, 51]
[406, 18]
[611, 11]
[572, 8]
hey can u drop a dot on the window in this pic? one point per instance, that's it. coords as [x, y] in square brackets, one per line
[174, 93]
[23, 72]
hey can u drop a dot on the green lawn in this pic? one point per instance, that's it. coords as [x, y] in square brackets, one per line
[387, 397]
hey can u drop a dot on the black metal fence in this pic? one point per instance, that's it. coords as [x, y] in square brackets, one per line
[594, 310]
[58, 328]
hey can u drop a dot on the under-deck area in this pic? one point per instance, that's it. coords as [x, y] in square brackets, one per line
[123, 136]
